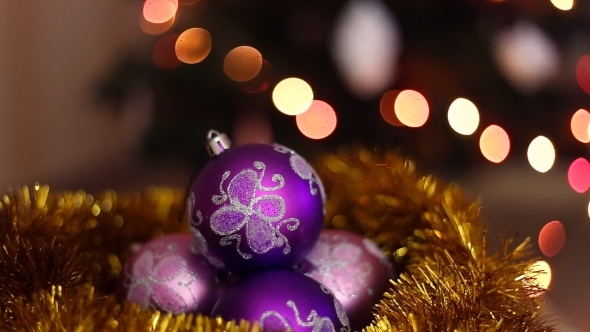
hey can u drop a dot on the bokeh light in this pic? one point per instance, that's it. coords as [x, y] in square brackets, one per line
[552, 238]
[463, 116]
[155, 28]
[526, 56]
[589, 209]
[579, 125]
[261, 82]
[387, 108]
[540, 273]
[494, 144]
[366, 46]
[242, 63]
[563, 4]
[541, 154]
[411, 108]
[159, 11]
[583, 73]
[578, 175]
[164, 55]
[193, 45]
[292, 96]
[318, 122]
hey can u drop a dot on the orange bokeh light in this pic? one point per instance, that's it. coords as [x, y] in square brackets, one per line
[583, 73]
[411, 108]
[243, 63]
[552, 238]
[159, 11]
[387, 108]
[155, 28]
[494, 144]
[163, 54]
[193, 45]
[579, 125]
[318, 121]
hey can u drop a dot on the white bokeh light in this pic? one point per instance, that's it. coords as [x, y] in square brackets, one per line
[366, 46]
[541, 154]
[526, 56]
[463, 116]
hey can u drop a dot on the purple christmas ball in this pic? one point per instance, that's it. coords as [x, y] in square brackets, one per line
[166, 273]
[354, 269]
[282, 300]
[256, 207]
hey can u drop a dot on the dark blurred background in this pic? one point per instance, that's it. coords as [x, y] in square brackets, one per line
[89, 101]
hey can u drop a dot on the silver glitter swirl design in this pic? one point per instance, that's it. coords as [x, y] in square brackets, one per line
[200, 245]
[304, 170]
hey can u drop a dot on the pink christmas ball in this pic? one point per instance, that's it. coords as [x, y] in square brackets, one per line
[167, 274]
[256, 207]
[283, 300]
[354, 269]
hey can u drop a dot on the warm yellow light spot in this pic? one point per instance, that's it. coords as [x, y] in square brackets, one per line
[563, 4]
[463, 116]
[579, 125]
[552, 238]
[242, 63]
[159, 11]
[541, 154]
[318, 122]
[411, 108]
[292, 96]
[155, 28]
[387, 109]
[540, 275]
[494, 144]
[193, 45]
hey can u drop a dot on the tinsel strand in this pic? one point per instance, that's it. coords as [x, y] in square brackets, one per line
[63, 250]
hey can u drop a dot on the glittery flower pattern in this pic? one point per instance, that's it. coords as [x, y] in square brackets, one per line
[334, 264]
[260, 215]
[148, 281]
[200, 245]
[274, 321]
[304, 170]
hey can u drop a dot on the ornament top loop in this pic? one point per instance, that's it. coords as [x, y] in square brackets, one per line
[217, 143]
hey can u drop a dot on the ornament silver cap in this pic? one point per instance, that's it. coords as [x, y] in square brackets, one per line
[217, 143]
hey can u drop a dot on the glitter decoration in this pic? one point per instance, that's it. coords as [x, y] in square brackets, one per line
[283, 301]
[258, 207]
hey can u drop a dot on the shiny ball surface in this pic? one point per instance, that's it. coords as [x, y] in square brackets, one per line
[166, 274]
[353, 268]
[256, 207]
[282, 300]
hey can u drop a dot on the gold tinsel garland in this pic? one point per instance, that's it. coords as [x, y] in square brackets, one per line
[61, 253]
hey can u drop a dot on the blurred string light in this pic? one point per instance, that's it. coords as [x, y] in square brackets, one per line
[411, 108]
[193, 45]
[387, 108]
[583, 73]
[526, 56]
[578, 175]
[563, 4]
[242, 64]
[365, 47]
[292, 96]
[155, 28]
[552, 238]
[463, 116]
[318, 121]
[159, 11]
[540, 276]
[494, 144]
[541, 154]
[164, 55]
[261, 82]
[579, 125]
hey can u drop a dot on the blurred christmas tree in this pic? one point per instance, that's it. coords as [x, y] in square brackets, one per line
[516, 60]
